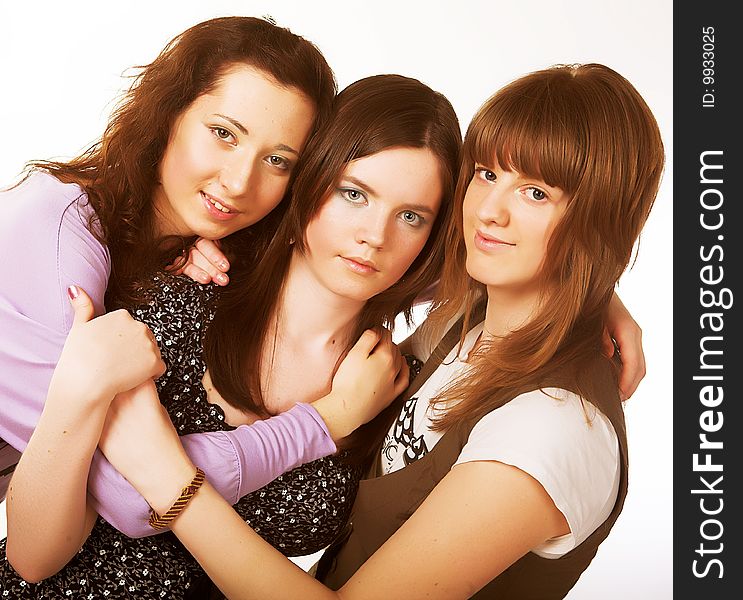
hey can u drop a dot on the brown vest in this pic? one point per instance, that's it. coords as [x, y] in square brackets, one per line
[384, 503]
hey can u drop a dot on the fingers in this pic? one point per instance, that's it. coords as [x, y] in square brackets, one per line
[633, 364]
[366, 343]
[202, 265]
[82, 305]
[607, 343]
[211, 251]
[206, 263]
[196, 273]
[403, 379]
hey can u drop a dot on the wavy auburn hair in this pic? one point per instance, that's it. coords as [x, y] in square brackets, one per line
[374, 114]
[119, 173]
[586, 130]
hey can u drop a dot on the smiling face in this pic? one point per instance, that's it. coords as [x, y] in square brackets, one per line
[374, 223]
[230, 155]
[508, 219]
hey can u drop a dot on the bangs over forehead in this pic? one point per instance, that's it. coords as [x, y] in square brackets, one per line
[535, 126]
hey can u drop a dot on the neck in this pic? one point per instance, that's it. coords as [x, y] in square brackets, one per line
[310, 313]
[163, 221]
[507, 310]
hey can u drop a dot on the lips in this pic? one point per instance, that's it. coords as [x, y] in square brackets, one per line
[489, 243]
[219, 204]
[360, 265]
[217, 208]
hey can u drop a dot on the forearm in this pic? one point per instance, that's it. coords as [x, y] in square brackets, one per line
[226, 548]
[236, 462]
[48, 519]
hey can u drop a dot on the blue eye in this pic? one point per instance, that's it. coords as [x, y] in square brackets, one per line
[411, 218]
[353, 196]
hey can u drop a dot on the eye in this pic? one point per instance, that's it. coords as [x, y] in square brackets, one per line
[278, 161]
[485, 174]
[223, 134]
[535, 194]
[411, 218]
[353, 196]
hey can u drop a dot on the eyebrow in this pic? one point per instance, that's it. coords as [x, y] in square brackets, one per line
[244, 131]
[364, 186]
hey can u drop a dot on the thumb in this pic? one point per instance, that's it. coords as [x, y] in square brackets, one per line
[607, 343]
[82, 305]
[366, 343]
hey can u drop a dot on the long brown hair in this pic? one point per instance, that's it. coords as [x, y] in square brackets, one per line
[371, 115]
[586, 130]
[119, 173]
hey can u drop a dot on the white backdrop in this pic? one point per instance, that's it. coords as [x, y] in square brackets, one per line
[61, 65]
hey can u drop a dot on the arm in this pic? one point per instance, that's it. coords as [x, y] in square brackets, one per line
[36, 316]
[510, 514]
[244, 460]
[48, 517]
[621, 327]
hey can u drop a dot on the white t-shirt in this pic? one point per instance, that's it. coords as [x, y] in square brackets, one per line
[565, 443]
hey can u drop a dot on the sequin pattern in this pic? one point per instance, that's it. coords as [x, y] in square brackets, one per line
[299, 513]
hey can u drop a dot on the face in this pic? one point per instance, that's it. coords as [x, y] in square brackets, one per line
[508, 219]
[230, 155]
[374, 224]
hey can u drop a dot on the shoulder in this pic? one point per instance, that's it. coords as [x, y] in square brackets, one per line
[43, 197]
[563, 442]
[44, 227]
[178, 309]
[552, 417]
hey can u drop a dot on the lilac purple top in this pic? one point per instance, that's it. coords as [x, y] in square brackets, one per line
[46, 245]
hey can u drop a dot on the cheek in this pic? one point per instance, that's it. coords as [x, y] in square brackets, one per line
[407, 250]
[184, 161]
[270, 190]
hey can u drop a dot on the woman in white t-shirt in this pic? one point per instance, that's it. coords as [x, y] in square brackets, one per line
[559, 172]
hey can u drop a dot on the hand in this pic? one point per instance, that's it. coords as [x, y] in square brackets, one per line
[371, 376]
[139, 440]
[624, 329]
[205, 263]
[105, 355]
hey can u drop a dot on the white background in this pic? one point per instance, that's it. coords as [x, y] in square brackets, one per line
[61, 65]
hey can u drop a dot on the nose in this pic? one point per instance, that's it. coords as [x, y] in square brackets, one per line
[493, 207]
[237, 175]
[372, 229]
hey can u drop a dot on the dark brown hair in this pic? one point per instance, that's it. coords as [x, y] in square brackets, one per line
[371, 115]
[586, 130]
[119, 173]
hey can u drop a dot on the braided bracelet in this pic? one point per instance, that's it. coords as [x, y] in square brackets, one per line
[158, 522]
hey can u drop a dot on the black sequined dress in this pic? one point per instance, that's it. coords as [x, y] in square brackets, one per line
[299, 513]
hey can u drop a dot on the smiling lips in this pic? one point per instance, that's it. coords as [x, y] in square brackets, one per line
[217, 209]
[488, 243]
[360, 265]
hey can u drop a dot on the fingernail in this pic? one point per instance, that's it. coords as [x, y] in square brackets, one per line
[224, 265]
[73, 292]
[222, 278]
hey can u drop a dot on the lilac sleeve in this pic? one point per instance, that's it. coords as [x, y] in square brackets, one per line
[235, 462]
[46, 246]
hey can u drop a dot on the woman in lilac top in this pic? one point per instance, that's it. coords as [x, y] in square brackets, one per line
[203, 145]
[185, 202]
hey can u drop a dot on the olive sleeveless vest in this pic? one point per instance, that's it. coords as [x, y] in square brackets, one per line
[384, 503]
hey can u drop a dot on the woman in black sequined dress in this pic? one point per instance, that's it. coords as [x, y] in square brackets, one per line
[388, 246]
